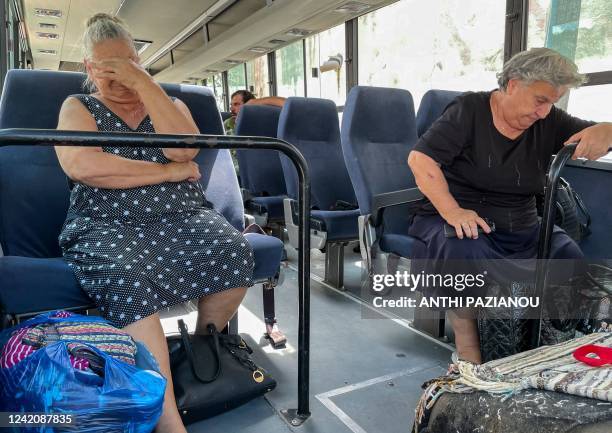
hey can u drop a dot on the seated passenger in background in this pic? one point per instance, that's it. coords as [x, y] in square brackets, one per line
[486, 157]
[138, 235]
[241, 97]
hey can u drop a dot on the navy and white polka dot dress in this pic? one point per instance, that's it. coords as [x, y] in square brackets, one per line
[136, 251]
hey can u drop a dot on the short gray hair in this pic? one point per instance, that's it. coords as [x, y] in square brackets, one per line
[102, 27]
[541, 64]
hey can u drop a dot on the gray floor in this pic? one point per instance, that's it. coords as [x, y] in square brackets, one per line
[365, 374]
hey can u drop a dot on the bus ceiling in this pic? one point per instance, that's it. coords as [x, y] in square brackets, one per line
[184, 39]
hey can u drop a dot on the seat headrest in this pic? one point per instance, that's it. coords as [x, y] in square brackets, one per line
[432, 106]
[391, 110]
[35, 97]
[258, 120]
[309, 119]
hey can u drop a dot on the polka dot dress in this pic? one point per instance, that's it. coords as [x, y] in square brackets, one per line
[136, 251]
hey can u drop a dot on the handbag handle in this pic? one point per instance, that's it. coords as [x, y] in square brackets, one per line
[191, 357]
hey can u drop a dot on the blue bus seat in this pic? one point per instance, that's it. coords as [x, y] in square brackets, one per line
[432, 106]
[225, 115]
[261, 174]
[311, 124]
[591, 181]
[34, 194]
[378, 132]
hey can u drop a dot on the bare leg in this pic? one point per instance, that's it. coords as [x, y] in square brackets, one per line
[218, 308]
[150, 332]
[466, 335]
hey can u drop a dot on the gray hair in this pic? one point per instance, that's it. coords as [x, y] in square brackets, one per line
[102, 27]
[541, 64]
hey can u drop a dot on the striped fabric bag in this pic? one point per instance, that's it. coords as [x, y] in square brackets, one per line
[551, 368]
[79, 335]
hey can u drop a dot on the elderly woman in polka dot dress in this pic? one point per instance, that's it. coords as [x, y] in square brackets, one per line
[138, 234]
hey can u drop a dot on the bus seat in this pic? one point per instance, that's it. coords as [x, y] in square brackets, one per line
[593, 186]
[311, 124]
[225, 115]
[34, 194]
[261, 174]
[378, 132]
[432, 106]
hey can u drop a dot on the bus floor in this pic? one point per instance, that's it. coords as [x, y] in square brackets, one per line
[365, 373]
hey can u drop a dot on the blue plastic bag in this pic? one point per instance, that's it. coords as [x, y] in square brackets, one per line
[127, 399]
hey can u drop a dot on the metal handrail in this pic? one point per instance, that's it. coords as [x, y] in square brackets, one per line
[544, 242]
[52, 137]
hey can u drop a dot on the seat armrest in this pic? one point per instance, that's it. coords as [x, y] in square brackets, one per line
[315, 223]
[395, 198]
[248, 219]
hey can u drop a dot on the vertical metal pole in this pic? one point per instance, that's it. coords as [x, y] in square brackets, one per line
[303, 410]
[273, 84]
[226, 97]
[304, 67]
[3, 44]
[352, 54]
[546, 228]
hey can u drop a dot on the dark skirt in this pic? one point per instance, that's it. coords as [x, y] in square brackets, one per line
[498, 258]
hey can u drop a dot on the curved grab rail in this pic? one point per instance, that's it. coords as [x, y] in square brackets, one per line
[52, 137]
[546, 229]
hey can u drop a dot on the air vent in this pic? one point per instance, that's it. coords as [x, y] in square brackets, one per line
[141, 45]
[233, 62]
[47, 25]
[299, 32]
[277, 41]
[48, 52]
[193, 78]
[45, 35]
[352, 7]
[54, 13]
[258, 49]
[210, 71]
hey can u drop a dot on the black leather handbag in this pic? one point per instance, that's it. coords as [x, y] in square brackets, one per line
[570, 212]
[213, 373]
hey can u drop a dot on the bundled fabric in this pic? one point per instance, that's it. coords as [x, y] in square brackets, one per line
[102, 335]
[118, 389]
[551, 368]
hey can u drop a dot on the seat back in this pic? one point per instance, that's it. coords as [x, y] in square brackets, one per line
[432, 106]
[33, 188]
[378, 132]
[311, 124]
[225, 115]
[592, 184]
[260, 171]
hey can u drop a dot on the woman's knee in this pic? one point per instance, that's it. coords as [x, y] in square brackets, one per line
[454, 248]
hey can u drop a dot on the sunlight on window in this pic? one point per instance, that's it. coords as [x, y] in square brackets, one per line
[290, 70]
[439, 44]
[331, 82]
[579, 29]
[236, 79]
[257, 76]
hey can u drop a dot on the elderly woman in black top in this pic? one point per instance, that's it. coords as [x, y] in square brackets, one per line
[486, 157]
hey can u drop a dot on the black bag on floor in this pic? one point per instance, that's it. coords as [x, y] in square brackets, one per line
[213, 373]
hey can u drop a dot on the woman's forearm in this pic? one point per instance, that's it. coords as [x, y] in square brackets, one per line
[167, 118]
[104, 170]
[430, 180]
